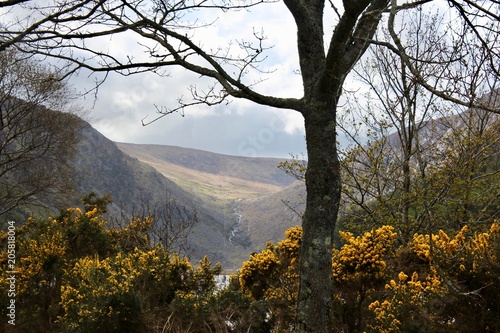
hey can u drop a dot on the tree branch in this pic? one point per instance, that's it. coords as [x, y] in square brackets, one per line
[402, 52]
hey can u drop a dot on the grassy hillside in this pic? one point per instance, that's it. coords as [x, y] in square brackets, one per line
[245, 193]
[212, 184]
[214, 176]
[269, 216]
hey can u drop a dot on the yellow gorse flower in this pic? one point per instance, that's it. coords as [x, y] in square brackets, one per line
[363, 256]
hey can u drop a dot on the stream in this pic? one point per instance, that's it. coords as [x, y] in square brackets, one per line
[236, 226]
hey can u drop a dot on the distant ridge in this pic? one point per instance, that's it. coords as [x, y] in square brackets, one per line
[248, 168]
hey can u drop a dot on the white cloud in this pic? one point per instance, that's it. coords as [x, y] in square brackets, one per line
[240, 127]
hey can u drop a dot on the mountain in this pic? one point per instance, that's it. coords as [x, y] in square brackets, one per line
[212, 175]
[245, 194]
[227, 198]
[217, 189]
[177, 185]
[100, 166]
[267, 217]
[203, 203]
[247, 168]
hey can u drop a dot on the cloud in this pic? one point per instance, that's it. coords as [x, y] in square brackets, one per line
[239, 128]
[255, 133]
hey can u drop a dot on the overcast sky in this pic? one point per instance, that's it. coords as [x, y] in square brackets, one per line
[239, 128]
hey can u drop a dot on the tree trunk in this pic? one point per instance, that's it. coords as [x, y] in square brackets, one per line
[323, 75]
[323, 197]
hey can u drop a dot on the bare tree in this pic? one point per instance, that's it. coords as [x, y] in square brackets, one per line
[421, 154]
[379, 174]
[35, 142]
[171, 223]
[167, 29]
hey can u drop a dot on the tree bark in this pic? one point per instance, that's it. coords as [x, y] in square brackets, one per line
[323, 197]
[323, 77]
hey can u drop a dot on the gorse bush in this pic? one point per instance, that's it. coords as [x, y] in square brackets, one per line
[430, 284]
[106, 295]
[74, 274]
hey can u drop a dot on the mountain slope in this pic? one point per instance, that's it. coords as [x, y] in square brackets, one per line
[259, 170]
[100, 167]
[245, 193]
[267, 218]
[209, 175]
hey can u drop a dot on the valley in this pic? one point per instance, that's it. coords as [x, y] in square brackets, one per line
[218, 185]
[245, 195]
[231, 205]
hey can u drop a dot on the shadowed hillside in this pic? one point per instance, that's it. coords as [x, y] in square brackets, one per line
[100, 167]
[269, 216]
